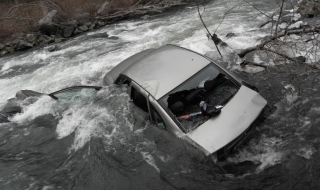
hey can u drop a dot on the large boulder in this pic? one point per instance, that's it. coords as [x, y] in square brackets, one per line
[47, 25]
[2, 46]
[105, 6]
[82, 18]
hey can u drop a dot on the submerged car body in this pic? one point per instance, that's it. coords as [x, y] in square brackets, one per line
[167, 83]
[175, 88]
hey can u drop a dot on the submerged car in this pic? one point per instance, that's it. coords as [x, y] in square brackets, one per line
[186, 94]
[191, 96]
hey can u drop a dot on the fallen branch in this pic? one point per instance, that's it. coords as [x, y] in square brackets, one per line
[245, 62]
[292, 59]
[278, 35]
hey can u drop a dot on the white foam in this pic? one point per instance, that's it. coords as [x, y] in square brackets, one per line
[45, 105]
[268, 159]
[150, 160]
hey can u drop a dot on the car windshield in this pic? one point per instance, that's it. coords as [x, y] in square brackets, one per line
[209, 85]
[75, 93]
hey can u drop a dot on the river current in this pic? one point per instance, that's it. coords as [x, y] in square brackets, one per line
[94, 144]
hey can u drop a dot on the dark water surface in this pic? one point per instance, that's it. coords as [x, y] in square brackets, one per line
[99, 144]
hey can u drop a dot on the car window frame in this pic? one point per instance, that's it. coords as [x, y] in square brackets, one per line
[52, 95]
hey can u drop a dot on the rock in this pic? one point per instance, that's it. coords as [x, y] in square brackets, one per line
[82, 18]
[54, 48]
[113, 38]
[44, 39]
[2, 46]
[57, 40]
[31, 38]
[11, 106]
[296, 25]
[48, 29]
[83, 28]
[301, 59]
[67, 31]
[23, 44]
[47, 19]
[101, 24]
[9, 49]
[47, 25]
[99, 35]
[3, 52]
[77, 31]
[105, 6]
[230, 35]
[87, 24]
[145, 17]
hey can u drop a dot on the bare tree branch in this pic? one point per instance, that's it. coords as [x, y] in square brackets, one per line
[208, 32]
[278, 35]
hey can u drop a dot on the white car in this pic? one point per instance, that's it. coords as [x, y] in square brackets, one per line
[189, 95]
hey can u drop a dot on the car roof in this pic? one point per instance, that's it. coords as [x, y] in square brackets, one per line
[165, 68]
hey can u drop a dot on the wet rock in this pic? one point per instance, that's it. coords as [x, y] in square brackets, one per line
[83, 28]
[77, 31]
[105, 6]
[145, 17]
[67, 31]
[301, 59]
[82, 18]
[101, 24]
[230, 35]
[113, 38]
[23, 44]
[53, 48]
[99, 35]
[2, 46]
[11, 106]
[23, 94]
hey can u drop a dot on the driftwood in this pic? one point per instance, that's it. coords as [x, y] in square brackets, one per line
[245, 62]
[278, 35]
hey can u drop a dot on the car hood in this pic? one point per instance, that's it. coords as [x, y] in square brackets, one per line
[237, 115]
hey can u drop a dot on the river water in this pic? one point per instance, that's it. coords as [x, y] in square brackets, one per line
[94, 144]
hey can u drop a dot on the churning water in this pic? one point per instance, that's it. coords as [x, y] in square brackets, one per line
[97, 143]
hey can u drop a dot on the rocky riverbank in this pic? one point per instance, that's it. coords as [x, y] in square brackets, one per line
[56, 27]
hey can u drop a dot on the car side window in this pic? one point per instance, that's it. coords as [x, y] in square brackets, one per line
[157, 118]
[139, 100]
